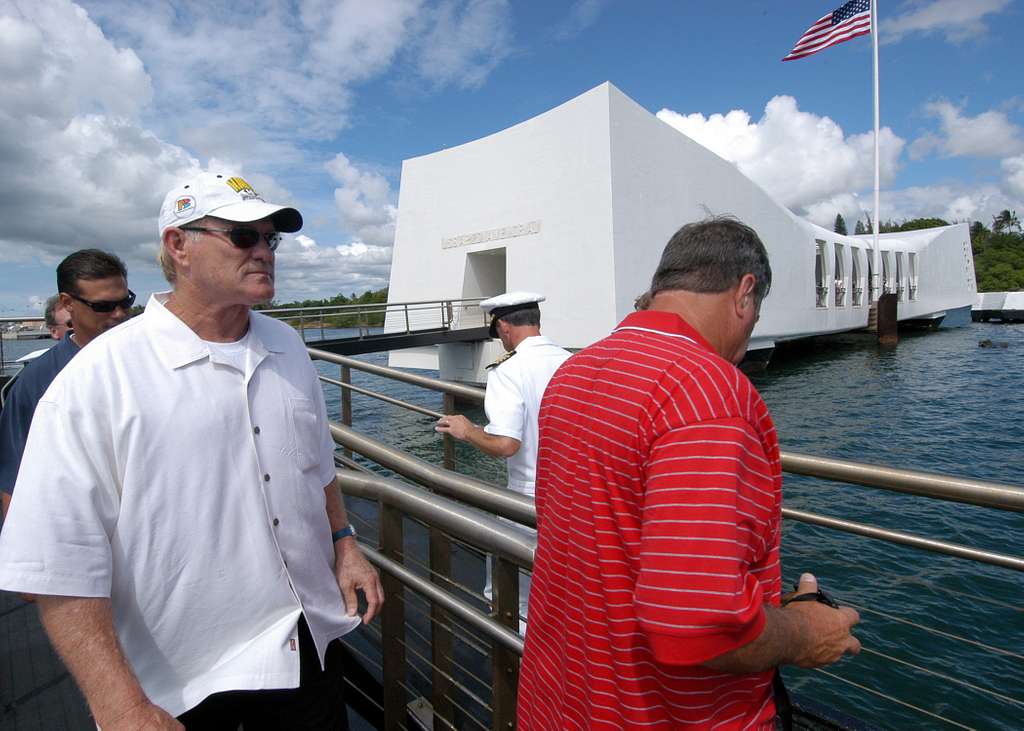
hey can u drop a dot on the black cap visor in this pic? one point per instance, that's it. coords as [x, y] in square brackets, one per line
[499, 312]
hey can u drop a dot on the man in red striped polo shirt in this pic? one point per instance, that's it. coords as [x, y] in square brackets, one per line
[656, 585]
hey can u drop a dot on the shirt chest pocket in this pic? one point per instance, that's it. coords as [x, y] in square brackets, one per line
[306, 433]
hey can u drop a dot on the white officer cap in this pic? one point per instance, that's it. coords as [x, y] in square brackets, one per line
[504, 304]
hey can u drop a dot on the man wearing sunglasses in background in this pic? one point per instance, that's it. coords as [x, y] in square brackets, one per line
[94, 295]
[202, 566]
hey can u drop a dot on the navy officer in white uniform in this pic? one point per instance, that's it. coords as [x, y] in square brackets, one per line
[515, 387]
[189, 550]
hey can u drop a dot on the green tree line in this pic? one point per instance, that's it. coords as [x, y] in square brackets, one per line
[998, 250]
[370, 316]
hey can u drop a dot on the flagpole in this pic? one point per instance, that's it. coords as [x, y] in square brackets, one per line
[874, 51]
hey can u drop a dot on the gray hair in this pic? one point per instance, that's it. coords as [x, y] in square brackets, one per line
[51, 305]
[528, 316]
[712, 256]
[164, 259]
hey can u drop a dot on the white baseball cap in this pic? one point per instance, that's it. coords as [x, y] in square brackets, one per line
[225, 196]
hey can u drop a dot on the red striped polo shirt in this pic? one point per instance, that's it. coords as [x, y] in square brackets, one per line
[658, 509]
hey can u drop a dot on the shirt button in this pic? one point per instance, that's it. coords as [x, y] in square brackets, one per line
[276, 521]
[266, 478]
[255, 430]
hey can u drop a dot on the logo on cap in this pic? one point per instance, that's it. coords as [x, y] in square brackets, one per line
[184, 206]
[242, 188]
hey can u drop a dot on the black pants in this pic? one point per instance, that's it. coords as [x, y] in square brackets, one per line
[318, 704]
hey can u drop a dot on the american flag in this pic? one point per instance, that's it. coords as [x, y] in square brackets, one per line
[848, 21]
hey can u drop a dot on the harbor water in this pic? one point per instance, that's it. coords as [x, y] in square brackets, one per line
[943, 638]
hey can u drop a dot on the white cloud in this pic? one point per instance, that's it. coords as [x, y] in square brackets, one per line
[800, 158]
[279, 67]
[989, 134]
[851, 207]
[582, 15]
[56, 63]
[956, 20]
[1013, 171]
[364, 202]
[951, 202]
[80, 169]
[460, 43]
[85, 141]
[353, 40]
[306, 270]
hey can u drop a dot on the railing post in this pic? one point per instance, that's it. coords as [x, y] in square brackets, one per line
[393, 621]
[346, 403]
[448, 458]
[302, 326]
[322, 325]
[442, 643]
[406, 308]
[451, 314]
[504, 662]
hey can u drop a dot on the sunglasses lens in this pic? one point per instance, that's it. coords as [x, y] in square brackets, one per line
[108, 306]
[245, 238]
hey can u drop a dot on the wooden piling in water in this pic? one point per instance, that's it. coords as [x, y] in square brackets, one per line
[887, 325]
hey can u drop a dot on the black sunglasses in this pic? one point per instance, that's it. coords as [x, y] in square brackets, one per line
[106, 305]
[242, 236]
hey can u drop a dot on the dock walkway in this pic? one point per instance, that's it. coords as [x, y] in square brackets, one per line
[36, 691]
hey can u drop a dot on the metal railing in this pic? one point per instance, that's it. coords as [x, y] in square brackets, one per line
[9, 330]
[389, 317]
[447, 486]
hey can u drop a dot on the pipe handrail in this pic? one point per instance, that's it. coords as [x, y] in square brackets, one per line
[469, 524]
[493, 499]
[469, 393]
[23, 318]
[457, 607]
[932, 545]
[381, 397]
[950, 488]
[912, 482]
[483, 495]
[393, 305]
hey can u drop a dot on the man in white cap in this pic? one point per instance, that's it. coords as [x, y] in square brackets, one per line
[190, 551]
[515, 387]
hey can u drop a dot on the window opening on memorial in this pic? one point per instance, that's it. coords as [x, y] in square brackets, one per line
[820, 276]
[899, 276]
[886, 273]
[855, 277]
[839, 276]
[912, 260]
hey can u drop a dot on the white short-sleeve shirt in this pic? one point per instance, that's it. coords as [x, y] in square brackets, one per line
[515, 388]
[191, 494]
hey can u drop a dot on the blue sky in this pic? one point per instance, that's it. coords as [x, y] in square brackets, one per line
[105, 104]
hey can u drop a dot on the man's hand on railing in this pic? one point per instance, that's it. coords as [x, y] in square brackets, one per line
[827, 626]
[457, 425]
[461, 428]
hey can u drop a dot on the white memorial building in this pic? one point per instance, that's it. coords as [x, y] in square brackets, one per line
[577, 204]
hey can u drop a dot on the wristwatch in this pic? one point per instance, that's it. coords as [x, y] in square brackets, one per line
[348, 530]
